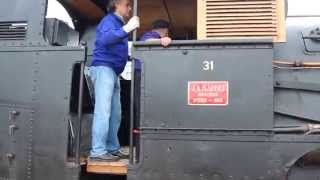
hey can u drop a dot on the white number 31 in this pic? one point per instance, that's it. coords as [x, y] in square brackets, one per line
[208, 66]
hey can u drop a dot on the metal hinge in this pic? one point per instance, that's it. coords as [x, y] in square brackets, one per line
[13, 114]
[12, 128]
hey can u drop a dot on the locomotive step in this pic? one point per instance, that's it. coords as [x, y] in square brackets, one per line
[116, 168]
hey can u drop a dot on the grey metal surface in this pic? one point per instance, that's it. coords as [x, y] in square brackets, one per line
[89, 36]
[60, 34]
[5, 142]
[36, 82]
[205, 42]
[219, 157]
[294, 48]
[296, 92]
[201, 152]
[33, 13]
[53, 109]
[166, 73]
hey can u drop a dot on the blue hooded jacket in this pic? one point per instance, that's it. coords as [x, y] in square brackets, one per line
[150, 35]
[111, 45]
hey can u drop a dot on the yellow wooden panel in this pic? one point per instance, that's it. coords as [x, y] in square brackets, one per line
[201, 19]
[116, 168]
[281, 14]
[234, 19]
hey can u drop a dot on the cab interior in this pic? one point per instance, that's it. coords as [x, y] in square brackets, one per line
[181, 14]
[85, 15]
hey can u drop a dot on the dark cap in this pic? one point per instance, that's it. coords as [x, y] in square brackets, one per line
[111, 5]
[160, 23]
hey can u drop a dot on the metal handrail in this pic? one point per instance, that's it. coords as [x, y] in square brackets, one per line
[80, 102]
[131, 145]
[132, 99]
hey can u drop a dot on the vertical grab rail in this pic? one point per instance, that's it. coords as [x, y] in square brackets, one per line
[135, 13]
[131, 151]
[80, 101]
[134, 38]
[79, 111]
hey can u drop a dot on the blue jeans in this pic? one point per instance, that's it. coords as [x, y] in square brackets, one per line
[107, 111]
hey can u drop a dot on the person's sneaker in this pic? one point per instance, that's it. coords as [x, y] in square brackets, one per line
[120, 154]
[105, 158]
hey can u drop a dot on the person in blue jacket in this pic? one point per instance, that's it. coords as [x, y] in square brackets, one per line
[159, 32]
[110, 56]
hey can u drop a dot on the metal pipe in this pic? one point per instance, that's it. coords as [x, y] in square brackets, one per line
[299, 129]
[316, 131]
[294, 68]
[296, 64]
[165, 4]
[212, 42]
[134, 39]
[198, 129]
[135, 13]
[80, 101]
[71, 128]
[307, 129]
[132, 111]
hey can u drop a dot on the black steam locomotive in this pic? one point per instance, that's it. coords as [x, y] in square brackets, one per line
[236, 109]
